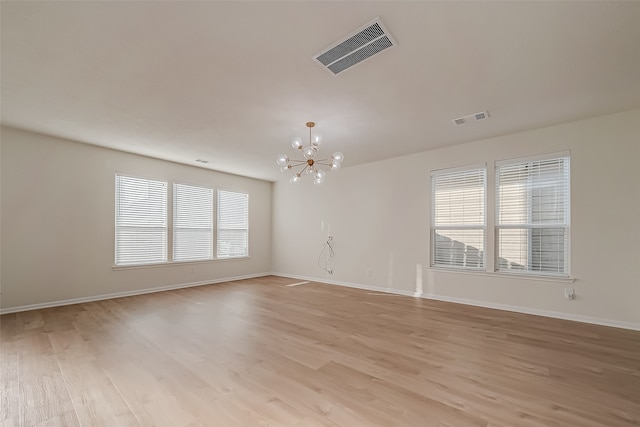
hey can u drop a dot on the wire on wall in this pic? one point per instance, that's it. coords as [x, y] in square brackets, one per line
[326, 247]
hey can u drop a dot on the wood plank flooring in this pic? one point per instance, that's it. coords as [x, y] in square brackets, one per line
[258, 353]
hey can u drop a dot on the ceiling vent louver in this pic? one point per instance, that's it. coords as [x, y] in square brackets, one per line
[477, 116]
[358, 46]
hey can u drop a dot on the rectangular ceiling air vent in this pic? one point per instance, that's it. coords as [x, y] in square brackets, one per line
[360, 45]
[480, 116]
[477, 116]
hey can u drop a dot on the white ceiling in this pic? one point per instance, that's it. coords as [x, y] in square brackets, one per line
[232, 82]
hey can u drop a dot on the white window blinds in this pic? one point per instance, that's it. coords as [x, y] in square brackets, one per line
[532, 211]
[141, 221]
[458, 218]
[233, 224]
[192, 223]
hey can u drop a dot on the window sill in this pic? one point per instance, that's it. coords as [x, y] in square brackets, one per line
[556, 279]
[176, 263]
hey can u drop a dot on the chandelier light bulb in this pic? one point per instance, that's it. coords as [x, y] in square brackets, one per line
[296, 178]
[282, 160]
[316, 140]
[309, 152]
[318, 177]
[335, 165]
[296, 143]
[337, 157]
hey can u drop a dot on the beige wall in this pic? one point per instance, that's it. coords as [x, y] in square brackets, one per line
[57, 216]
[379, 216]
[58, 222]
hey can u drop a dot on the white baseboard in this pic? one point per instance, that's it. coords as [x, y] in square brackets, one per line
[537, 312]
[348, 284]
[477, 303]
[125, 294]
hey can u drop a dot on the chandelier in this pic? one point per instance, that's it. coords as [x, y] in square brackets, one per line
[308, 164]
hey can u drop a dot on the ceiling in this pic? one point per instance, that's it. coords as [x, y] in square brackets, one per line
[233, 82]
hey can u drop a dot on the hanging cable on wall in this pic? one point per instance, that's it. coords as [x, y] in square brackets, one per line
[329, 249]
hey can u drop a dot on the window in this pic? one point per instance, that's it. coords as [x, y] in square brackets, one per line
[233, 224]
[141, 221]
[532, 216]
[192, 223]
[458, 218]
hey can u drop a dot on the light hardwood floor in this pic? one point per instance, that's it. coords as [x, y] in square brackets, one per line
[259, 353]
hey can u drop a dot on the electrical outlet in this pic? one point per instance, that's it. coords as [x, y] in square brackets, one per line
[569, 293]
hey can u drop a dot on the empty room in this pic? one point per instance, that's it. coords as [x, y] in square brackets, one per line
[323, 213]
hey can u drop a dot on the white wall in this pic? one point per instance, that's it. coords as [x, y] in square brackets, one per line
[57, 216]
[57, 222]
[379, 215]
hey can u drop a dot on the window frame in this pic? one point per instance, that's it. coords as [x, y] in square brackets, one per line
[169, 225]
[483, 227]
[530, 226]
[175, 229]
[117, 215]
[219, 229]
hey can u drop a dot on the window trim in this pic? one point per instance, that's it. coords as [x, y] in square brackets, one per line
[506, 274]
[432, 231]
[173, 222]
[491, 218]
[176, 263]
[169, 228]
[115, 219]
[217, 232]
[497, 227]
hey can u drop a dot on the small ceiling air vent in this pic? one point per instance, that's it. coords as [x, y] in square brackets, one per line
[358, 46]
[471, 117]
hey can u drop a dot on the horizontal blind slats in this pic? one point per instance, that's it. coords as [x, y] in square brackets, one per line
[192, 222]
[459, 198]
[459, 201]
[233, 224]
[532, 212]
[459, 248]
[141, 221]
